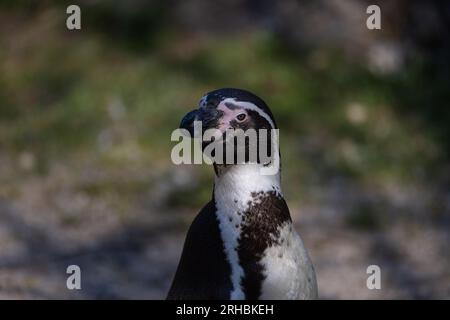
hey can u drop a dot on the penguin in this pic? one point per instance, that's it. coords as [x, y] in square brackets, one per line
[242, 245]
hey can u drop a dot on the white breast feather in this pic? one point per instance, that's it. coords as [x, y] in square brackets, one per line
[232, 195]
[288, 269]
[286, 277]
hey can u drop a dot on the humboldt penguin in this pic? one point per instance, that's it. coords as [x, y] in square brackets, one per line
[242, 244]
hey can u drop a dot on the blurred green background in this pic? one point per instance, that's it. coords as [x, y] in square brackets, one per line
[86, 117]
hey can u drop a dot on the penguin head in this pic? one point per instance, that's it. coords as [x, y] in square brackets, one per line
[227, 110]
[230, 108]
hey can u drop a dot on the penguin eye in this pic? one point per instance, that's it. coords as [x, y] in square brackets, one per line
[241, 117]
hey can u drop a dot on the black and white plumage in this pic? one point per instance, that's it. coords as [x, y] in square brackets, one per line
[242, 244]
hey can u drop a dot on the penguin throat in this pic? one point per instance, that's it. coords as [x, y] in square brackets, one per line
[235, 185]
[237, 189]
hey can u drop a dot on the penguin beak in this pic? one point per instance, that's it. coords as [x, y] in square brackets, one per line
[188, 121]
[209, 117]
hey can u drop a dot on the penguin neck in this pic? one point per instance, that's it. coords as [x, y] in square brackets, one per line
[237, 189]
[236, 185]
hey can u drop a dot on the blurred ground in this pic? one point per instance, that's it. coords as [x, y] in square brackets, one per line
[85, 122]
[134, 254]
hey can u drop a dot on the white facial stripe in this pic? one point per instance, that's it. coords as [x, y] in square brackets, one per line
[249, 106]
[243, 104]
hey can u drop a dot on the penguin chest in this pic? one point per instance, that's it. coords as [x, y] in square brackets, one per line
[287, 269]
[266, 255]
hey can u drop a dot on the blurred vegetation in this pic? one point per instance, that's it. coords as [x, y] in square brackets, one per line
[114, 91]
